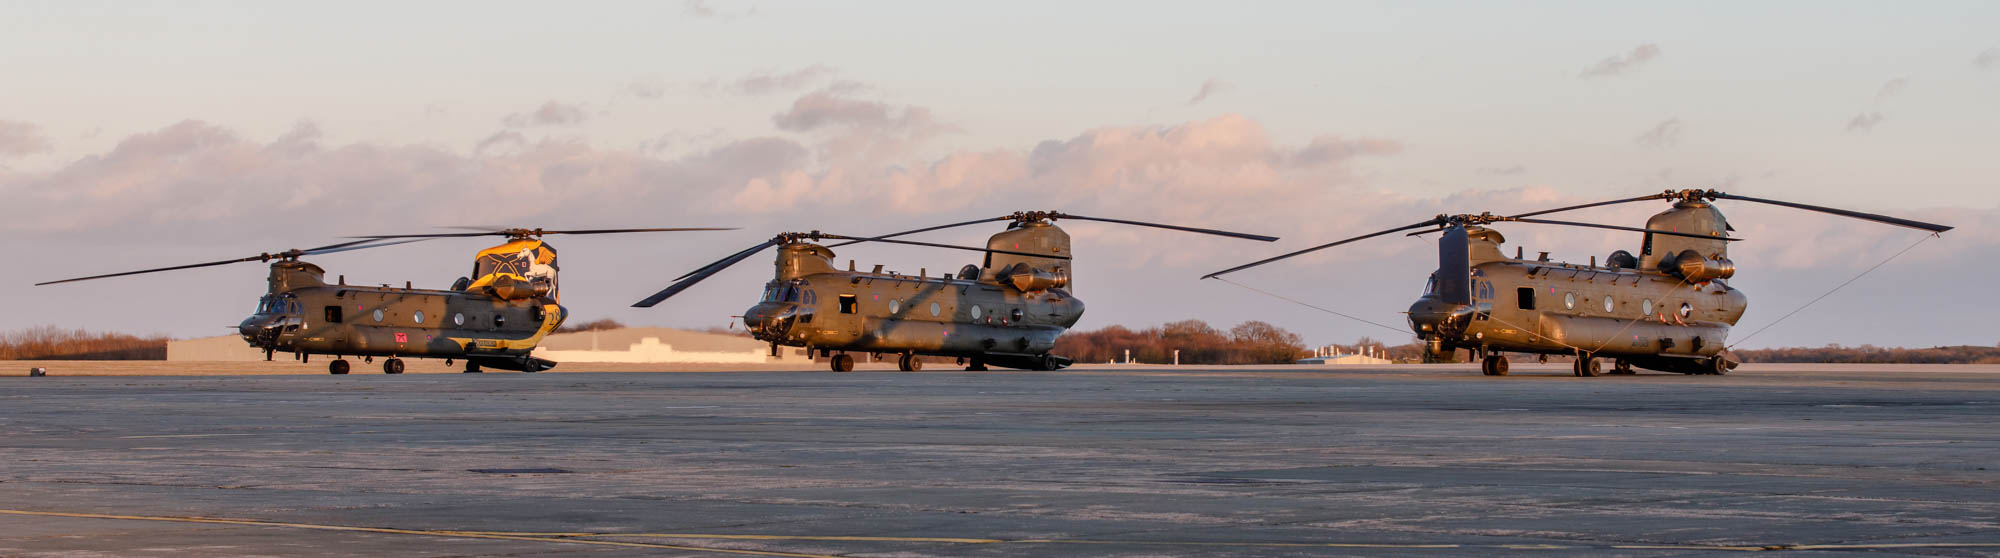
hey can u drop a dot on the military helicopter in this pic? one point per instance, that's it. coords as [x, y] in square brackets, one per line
[1668, 309]
[1005, 311]
[491, 319]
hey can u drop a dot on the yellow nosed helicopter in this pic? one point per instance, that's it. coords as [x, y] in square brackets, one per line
[1669, 308]
[1005, 311]
[491, 319]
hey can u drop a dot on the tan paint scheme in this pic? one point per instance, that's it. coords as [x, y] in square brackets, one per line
[891, 312]
[313, 317]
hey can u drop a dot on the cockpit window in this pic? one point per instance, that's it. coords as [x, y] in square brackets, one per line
[1431, 288]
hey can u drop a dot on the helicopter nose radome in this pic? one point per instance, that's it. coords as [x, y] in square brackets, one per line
[1431, 316]
[769, 320]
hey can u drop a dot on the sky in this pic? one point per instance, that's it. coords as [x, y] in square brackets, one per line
[137, 135]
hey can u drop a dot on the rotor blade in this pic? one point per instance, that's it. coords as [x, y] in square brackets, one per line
[1590, 205]
[1884, 219]
[154, 270]
[430, 235]
[1430, 222]
[705, 273]
[717, 262]
[328, 249]
[936, 245]
[928, 229]
[617, 231]
[1454, 272]
[1245, 236]
[344, 247]
[505, 232]
[1619, 228]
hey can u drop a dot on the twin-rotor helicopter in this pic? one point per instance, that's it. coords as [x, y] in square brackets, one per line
[1669, 308]
[1006, 310]
[492, 318]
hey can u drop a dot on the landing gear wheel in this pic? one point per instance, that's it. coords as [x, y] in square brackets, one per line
[1493, 365]
[976, 366]
[842, 362]
[1622, 368]
[1588, 366]
[471, 367]
[909, 363]
[392, 366]
[338, 367]
[1717, 366]
[1046, 363]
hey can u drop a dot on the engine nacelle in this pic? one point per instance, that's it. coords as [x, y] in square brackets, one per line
[507, 287]
[1034, 279]
[1695, 268]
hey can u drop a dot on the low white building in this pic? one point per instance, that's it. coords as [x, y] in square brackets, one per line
[1334, 354]
[627, 345]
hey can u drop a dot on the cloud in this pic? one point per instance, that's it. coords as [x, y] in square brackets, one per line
[20, 139]
[209, 192]
[1988, 59]
[1666, 134]
[859, 131]
[1504, 171]
[1210, 87]
[704, 10]
[647, 88]
[549, 114]
[1892, 88]
[832, 107]
[1325, 150]
[1617, 65]
[1864, 122]
[767, 82]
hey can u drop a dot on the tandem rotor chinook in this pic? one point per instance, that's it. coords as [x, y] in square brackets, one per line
[1004, 311]
[1668, 309]
[491, 319]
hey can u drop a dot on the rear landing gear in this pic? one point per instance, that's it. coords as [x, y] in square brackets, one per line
[392, 366]
[337, 367]
[976, 366]
[1588, 366]
[1714, 366]
[842, 362]
[1493, 365]
[909, 363]
[1622, 368]
[471, 367]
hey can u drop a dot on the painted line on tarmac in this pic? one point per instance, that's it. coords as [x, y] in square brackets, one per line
[382, 530]
[598, 538]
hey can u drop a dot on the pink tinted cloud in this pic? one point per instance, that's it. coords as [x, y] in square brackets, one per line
[19, 139]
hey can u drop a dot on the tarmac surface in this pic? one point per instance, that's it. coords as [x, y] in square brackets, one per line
[1099, 461]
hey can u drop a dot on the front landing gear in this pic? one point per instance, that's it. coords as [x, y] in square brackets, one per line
[338, 367]
[976, 366]
[1622, 368]
[471, 367]
[392, 366]
[909, 363]
[1493, 365]
[842, 362]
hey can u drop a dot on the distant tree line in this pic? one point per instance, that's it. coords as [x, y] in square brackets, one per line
[54, 343]
[1199, 343]
[1870, 354]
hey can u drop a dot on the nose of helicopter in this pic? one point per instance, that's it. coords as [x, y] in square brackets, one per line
[1431, 316]
[256, 329]
[769, 319]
